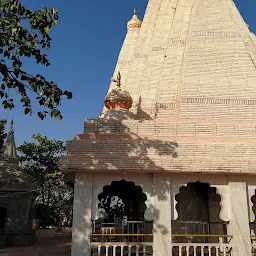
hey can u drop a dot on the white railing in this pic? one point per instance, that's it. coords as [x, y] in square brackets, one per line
[121, 249]
[146, 249]
[253, 240]
[185, 249]
[121, 245]
[254, 250]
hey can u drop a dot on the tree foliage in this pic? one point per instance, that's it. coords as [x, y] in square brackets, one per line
[111, 207]
[3, 135]
[25, 34]
[39, 160]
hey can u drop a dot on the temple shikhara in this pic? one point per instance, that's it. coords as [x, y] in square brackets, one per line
[169, 166]
[16, 196]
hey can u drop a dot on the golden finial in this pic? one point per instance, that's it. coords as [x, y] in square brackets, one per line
[117, 98]
[134, 22]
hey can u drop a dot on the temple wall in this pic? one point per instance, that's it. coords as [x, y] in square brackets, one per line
[176, 182]
[155, 145]
[161, 191]
[17, 214]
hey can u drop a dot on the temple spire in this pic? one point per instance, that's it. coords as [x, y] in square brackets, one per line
[10, 150]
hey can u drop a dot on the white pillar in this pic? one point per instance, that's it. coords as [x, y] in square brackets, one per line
[162, 212]
[82, 215]
[251, 194]
[239, 218]
[175, 190]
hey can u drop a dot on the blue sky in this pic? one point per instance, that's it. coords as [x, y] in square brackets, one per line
[85, 47]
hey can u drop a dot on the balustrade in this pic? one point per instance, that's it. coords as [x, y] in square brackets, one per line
[253, 240]
[181, 249]
[117, 248]
[121, 249]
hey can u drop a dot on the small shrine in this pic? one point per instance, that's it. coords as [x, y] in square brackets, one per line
[16, 194]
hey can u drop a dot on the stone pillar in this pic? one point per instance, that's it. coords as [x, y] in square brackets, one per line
[162, 211]
[239, 218]
[82, 215]
[175, 190]
[251, 195]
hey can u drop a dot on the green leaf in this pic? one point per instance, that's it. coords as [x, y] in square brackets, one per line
[39, 160]
[58, 117]
[25, 33]
[46, 30]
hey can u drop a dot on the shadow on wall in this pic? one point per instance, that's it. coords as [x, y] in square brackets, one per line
[123, 150]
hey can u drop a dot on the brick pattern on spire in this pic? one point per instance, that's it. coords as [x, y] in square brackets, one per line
[191, 72]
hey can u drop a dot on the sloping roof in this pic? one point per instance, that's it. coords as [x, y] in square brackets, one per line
[12, 177]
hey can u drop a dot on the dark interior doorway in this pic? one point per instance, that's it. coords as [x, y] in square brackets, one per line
[3, 211]
[198, 207]
[123, 200]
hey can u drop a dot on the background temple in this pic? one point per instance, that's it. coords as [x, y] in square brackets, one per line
[16, 196]
[182, 128]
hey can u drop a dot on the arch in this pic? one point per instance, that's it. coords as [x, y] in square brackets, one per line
[198, 212]
[122, 198]
[221, 191]
[145, 182]
[200, 198]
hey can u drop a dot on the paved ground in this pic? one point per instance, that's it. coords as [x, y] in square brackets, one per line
[58, 246]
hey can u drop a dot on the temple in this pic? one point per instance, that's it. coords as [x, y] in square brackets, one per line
[168, 168]
[16, 195]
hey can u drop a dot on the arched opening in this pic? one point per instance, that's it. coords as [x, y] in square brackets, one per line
[122, 199]
[198, 207]
[122, 208]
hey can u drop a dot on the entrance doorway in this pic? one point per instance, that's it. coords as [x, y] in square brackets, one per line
[198, 207]
[122, 208]
[3, 211]
[122, 199]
